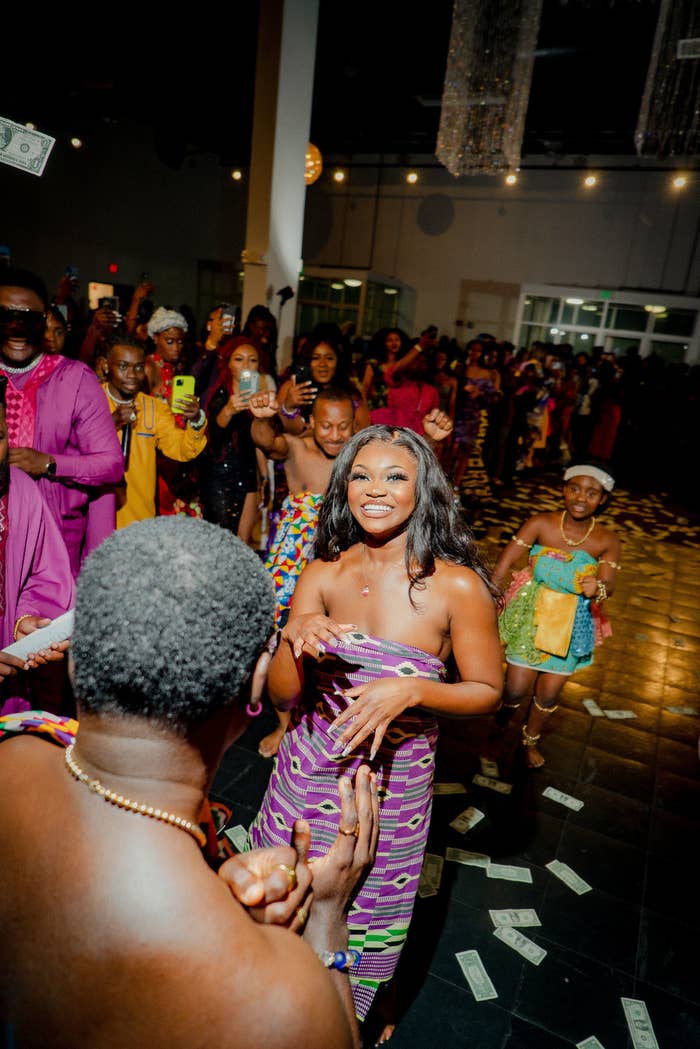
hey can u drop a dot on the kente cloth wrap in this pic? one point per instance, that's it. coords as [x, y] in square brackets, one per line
[64, 731]
[20, 409]
[304, 785]
[292, 548]
[560, 571]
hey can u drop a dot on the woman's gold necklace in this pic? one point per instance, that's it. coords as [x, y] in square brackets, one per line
[572, 542]
[132, 806]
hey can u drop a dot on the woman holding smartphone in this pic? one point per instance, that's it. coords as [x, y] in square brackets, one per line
[229, 469]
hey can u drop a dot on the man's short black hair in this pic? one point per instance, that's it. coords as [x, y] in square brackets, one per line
[10, 277]
[170, 616]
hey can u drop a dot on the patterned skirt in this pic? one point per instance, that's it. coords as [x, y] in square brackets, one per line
[304, 785]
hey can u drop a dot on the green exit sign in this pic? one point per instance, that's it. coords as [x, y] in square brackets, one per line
[606, 294]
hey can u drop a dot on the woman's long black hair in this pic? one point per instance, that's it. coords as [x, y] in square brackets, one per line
[436, 530]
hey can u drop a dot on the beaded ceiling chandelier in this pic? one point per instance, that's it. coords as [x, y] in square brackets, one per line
[487, 85]
[669, 118]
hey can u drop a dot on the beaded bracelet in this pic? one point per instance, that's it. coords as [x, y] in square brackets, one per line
[341, 960]
[289, 415]
[515, 539]
[601, 592]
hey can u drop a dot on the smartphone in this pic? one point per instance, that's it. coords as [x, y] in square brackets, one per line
[183, 386]
[302, 374]
[228, 319]
[248, 381]
[111, 302]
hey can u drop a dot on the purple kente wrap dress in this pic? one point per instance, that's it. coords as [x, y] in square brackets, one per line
[304, 785]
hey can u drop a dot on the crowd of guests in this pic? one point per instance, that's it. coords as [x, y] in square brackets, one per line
[180, 630]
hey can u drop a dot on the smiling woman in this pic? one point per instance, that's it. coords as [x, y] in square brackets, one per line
[396, 588]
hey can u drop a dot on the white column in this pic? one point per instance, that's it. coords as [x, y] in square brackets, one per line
[276, 195]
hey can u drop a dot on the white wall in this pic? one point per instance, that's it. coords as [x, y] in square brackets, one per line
[630, 231]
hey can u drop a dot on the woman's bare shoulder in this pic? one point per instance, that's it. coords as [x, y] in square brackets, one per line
[460, 580]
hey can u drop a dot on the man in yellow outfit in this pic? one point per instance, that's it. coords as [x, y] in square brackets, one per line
[145, 424]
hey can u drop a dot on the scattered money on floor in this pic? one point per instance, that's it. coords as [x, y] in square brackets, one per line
[524, 946]
[476, 976]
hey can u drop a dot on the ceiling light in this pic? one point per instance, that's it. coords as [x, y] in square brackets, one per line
[680, 182]
[352, 282]
[30, 126]
[590, 180]
[553, 331]
[337, 286]
[412, 177]
[511, 179]
[339, 176]
[76, 143]
[590, 308]
[585, 337]
[574, 302]
[656, 310]
[391, 291]
[236, 175]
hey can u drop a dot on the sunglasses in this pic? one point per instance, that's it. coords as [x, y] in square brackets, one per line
[22, 314]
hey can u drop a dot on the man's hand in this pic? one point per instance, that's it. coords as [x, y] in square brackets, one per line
[124, 415]
[273, 884]
[437, 425]
[187, 407]
[30, 460]
[263, 405]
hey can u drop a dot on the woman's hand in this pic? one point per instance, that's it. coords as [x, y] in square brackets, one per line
[375, 705]
[273, 884]
[238, 402]
[53, 654]
[336, 874]
[308, 633]
[299, 395]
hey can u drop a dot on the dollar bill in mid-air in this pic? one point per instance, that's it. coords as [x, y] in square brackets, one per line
[24, 148]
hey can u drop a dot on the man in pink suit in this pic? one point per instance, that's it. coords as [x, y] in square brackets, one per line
[59, 425]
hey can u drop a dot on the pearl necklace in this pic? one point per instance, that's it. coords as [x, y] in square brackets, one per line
[571, 542]
[132, 806]
[23, 368]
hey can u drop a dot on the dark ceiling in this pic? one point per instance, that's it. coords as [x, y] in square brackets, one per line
[379, 73]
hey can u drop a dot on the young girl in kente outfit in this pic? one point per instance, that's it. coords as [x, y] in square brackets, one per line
[553, 618]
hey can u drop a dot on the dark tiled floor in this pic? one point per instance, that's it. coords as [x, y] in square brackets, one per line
[634, 935]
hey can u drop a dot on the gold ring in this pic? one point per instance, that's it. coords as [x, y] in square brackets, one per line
[291, 875]
[302, 915]
[354, 833]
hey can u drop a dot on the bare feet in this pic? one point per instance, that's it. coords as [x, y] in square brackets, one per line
[270, 744]
[386, 1034]
[533, 758]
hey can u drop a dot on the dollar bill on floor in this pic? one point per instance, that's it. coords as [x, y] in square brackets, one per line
[238, 836]
[430, 875]
[467, 859]
[489, 768]
[593, 708]
[523, 919]
[467, 820]
[590, 1043]
[570, 878]
[690, 711]
[492, 784]
[524, 946]
[23, 148]
[449, 788]
[476, 976]
[637, 1017]
[508, 873]
[562, 798]
[619, 715]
